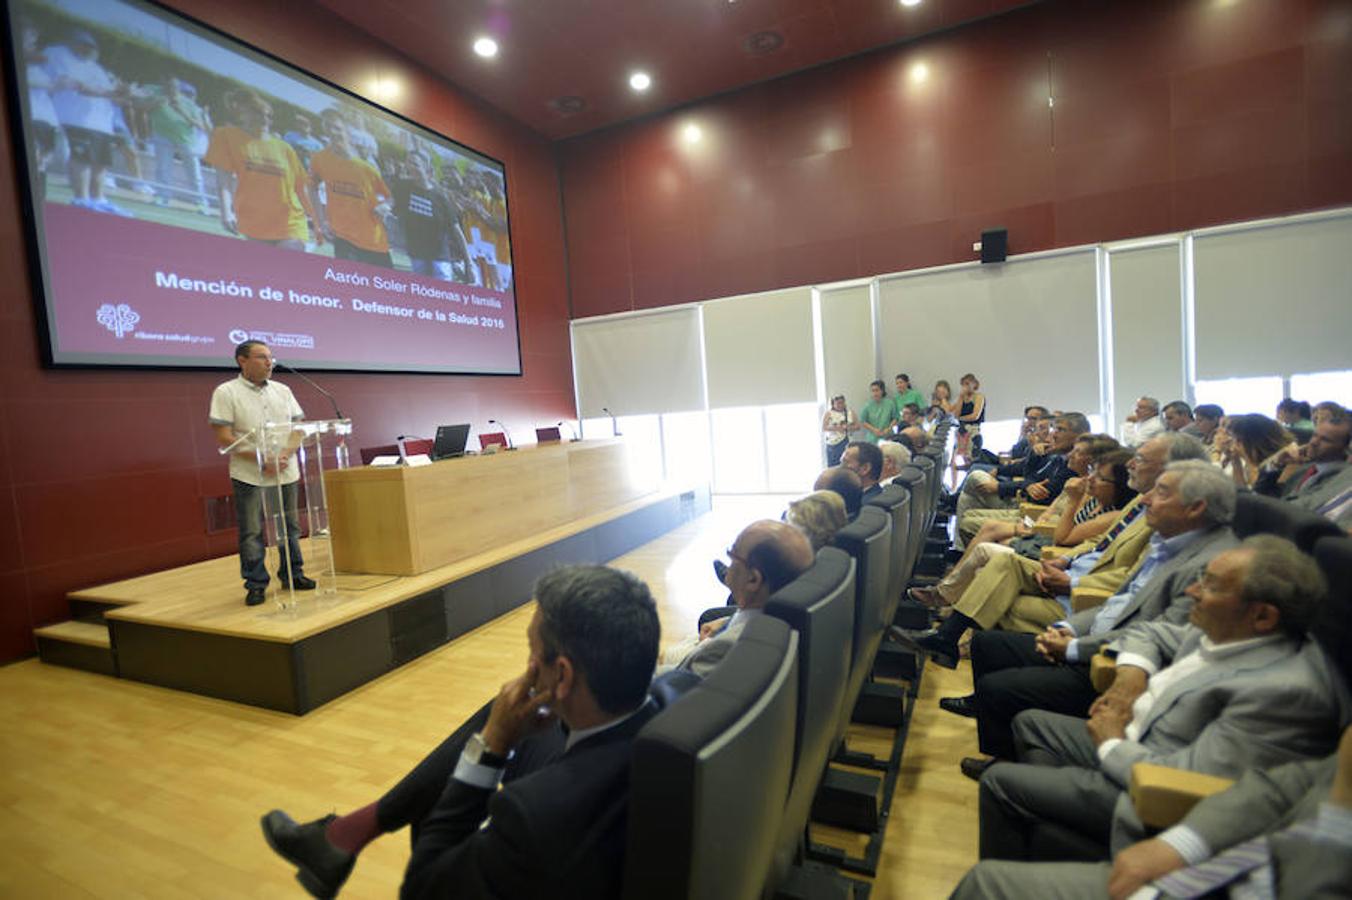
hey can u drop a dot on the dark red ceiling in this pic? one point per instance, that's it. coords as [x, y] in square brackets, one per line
[587, 48]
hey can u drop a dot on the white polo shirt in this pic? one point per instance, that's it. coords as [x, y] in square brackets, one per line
[244, 406]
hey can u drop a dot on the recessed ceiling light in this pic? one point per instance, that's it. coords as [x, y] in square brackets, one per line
[640, 81]
[692, 133]
[910, 2]
[486, 47]
[919, 73]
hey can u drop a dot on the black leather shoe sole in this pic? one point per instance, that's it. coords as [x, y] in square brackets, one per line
[959, 706]
[317, 886]
[255, 598]
[974, 766]
[924, 643]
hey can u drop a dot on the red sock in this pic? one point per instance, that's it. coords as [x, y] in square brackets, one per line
[355, 830]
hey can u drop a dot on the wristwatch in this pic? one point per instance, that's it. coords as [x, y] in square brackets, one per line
[477, 752]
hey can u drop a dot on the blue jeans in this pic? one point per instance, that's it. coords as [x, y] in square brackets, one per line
[252, 550]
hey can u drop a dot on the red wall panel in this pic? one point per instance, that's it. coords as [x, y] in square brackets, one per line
[1168, 114]
[103, 473]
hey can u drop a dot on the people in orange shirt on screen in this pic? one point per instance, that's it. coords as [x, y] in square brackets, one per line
[355, 198]
[262, 184]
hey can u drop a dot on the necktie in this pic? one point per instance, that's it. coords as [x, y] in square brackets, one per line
[1309, 473]
[1117, 529]
[1229, 866]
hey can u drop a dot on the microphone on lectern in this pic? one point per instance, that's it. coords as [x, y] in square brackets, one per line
[505, 433]
[571, 429]
[337, 413]
[614, 422]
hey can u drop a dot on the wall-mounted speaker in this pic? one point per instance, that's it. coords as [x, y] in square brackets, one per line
[994, 243]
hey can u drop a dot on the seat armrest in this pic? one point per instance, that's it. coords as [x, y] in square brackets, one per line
[1052, 552]
[1082, 598]
[1032, 510]
[1102, 671]
[1044, 529]
[1163, 795]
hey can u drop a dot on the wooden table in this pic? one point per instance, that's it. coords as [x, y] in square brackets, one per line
[407, 520]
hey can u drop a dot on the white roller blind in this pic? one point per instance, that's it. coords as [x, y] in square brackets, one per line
[758, 349]
[640, 364]
[847, 343]
[1028, 329]
[1274, 300]
[1147, 326]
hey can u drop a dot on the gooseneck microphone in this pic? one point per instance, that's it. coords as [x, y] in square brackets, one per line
[614, 422]
[337, 413]
[571, 429]
[505, 433]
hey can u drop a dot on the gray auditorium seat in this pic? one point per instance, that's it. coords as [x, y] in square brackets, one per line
[819, 605]
[868, 539]
[913, 477]
[1256, 514]
[711, 773]
[895, 501]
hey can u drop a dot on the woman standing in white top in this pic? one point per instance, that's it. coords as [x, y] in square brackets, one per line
[837, 424]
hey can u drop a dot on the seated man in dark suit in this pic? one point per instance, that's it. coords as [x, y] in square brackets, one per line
[866, 461]
[1280, 832]
[1321, 468]
[1240, 687]
[557, 826]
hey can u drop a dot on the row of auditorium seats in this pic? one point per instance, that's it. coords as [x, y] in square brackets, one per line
[726, 778]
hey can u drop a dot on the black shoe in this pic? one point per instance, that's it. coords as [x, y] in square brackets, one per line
[721, 571]
[974, 766]
[301, 583]
[929, 643]
[256, 596]
[960, 706]
[321, 868]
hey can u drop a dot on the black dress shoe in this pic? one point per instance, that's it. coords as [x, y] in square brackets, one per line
[960, 706]
[321, 868]
[301, 583]
[721, 571]
[974, 766]
[256, 596]
[929, 643]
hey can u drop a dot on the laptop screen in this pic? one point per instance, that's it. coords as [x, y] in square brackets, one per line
[450, 442]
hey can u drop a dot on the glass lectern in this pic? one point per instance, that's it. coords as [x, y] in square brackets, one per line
[308, 449]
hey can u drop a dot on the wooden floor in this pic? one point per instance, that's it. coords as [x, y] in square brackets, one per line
[114, 789]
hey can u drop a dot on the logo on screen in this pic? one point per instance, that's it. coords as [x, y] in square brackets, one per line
[239, 335]
[120, 319]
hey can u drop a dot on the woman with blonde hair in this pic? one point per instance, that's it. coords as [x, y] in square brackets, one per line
[940, 405]
[819, 515]
[971, 412]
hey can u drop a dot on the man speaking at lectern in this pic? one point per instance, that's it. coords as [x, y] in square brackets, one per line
[238, 407]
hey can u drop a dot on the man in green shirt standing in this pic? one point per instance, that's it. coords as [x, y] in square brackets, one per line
[907, 394]
[180, 130]
[879, 416]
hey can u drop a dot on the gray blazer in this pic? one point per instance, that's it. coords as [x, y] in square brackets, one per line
[1162, 596]
[1266, 801]
[707, 654]
[1267, 704]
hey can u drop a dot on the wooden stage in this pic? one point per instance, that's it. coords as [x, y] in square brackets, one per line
[188, 628]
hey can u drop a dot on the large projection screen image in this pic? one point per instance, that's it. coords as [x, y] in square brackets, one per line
[189, 192]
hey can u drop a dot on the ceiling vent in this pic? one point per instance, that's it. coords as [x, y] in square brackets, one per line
[762, 43]
[568, 106]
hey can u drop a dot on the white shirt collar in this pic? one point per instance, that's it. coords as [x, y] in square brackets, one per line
[575, 737]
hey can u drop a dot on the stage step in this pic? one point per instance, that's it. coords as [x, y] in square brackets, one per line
[77, 644]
